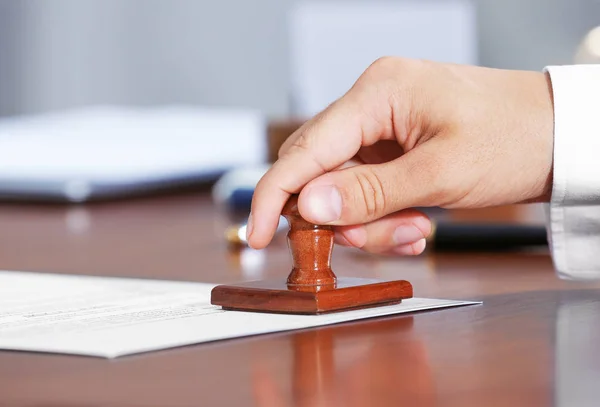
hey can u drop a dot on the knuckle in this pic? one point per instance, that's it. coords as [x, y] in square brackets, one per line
[393, 78]
[285, 146]
[283, 150]
[391, 66]
[372, 193]
[305, 146]
[384, 63]
[379, 71]
[299, 144]
[301, 138]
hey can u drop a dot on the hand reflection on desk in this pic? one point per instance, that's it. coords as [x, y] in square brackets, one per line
[321, 377]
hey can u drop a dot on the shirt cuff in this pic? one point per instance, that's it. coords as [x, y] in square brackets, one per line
[573, 213]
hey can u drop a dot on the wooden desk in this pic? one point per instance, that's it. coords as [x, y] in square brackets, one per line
[533, 342]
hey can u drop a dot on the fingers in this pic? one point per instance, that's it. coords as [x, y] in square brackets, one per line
[364, 193]
[382, 105]
[322, 145]
[401, 233]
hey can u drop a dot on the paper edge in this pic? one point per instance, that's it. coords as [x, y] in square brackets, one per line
[451, 304]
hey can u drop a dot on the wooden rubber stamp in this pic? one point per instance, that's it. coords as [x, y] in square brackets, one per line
[311, 287]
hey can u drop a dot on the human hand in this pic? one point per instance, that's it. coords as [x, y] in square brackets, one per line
[408, 134]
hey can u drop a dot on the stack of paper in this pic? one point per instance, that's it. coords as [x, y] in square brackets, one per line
[94, 152]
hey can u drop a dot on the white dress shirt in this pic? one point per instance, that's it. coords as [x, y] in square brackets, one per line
[574, 211]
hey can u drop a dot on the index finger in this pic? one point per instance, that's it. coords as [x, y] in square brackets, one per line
[323, 144]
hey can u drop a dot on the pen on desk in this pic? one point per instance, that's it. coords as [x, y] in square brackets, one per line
[453, 237]
[235, 190]
[464, 237]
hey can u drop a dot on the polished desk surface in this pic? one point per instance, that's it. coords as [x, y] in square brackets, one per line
[534, 341]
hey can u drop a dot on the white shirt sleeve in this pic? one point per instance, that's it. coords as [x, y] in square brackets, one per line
[574, 210]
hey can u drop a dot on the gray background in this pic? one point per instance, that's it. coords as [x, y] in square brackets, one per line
[62, 53]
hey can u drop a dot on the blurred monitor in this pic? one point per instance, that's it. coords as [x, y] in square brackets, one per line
[107, 152]
[333, 42]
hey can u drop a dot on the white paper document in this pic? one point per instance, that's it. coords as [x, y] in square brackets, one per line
[112, 317]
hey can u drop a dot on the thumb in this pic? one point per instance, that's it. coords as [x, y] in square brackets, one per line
[364, 193]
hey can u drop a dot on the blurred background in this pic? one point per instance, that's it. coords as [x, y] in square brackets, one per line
[63, 53]
[203, 77]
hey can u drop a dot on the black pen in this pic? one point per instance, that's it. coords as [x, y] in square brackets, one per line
[236, 191]
[495, 237]
[454, 237]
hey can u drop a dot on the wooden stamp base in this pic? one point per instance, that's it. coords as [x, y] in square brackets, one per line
[277, 297]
